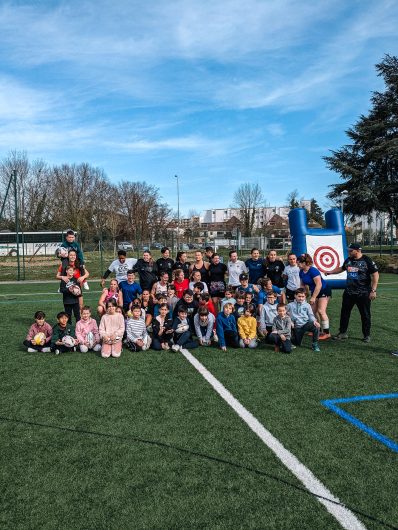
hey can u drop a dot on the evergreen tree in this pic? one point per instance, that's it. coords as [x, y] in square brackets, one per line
[368, 165]
[316, 212]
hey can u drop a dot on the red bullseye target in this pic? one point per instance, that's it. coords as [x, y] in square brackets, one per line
[326, 259]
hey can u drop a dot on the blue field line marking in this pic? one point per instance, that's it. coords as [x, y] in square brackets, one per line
[331, 405]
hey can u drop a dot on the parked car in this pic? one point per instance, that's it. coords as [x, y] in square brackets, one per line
[125, 245]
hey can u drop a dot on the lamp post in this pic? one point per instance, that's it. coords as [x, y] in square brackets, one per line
[343, 195]
[178, 212]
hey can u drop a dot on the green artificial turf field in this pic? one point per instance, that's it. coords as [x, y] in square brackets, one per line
[145, 442]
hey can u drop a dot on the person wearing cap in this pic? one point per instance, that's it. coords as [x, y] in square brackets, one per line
[245, 286]
[361, 286]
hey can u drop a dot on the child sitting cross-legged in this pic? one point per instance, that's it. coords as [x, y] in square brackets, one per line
[303, 319]
[59, 344]
[182, 335]
[204, 326]
[39, 334]
[137, 334]
[281, 330]
[87, 332]
[247, 328]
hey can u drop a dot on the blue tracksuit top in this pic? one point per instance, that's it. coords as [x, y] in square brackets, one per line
[225, 323]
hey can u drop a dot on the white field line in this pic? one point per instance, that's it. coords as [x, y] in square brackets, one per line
[343, 515]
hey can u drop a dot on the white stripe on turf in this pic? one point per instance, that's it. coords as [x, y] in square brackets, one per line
[333, 505]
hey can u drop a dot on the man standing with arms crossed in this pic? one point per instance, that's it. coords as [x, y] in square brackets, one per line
[362, 279]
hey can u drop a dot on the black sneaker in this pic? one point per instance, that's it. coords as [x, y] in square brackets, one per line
[366, 339]
[340, 336]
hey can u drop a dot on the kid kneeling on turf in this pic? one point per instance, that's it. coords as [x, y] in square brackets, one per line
[63, 329]
[226, 328]
[182, 336]
[39, 334]
[137, 334]
[87, 332]
[247, 328]
[281, 330]
[111, 330]
[303, 319]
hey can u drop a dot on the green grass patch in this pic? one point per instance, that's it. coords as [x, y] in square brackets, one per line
[144, 441]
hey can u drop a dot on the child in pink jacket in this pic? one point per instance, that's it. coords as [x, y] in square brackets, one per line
[87, 332]
[111, 330]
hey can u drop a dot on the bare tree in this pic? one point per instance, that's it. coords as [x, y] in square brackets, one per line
[293, 199]
[248, 198]
[139, 200]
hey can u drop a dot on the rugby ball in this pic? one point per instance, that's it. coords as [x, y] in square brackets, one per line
[61, 252]
[39, 339]
[75, 289]
[68, 341]
[90, 339]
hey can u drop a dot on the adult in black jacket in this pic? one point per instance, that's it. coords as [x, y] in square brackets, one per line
[165, 263]
[274, 268]
[182, 263]
[147, 270]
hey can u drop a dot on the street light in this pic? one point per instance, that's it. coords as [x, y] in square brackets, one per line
[343, 195]
[178, 212]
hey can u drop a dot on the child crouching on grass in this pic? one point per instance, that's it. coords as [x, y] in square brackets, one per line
[204, 325]
[137, 334]
[63, 329]
[182, 335]
[87, 332]
[39, 334]
[111, 330]
[247, 328]
[226, 328]
[303, 320]
[281, 330]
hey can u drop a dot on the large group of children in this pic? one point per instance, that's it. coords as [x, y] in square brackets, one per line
[176, 304]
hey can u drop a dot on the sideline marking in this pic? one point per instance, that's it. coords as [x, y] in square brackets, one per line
[331, 405]
[334, 506]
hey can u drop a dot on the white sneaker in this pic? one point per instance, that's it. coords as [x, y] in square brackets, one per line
[215, 338]
[31, 350]
[86, 286]
[176, 347]
[56, 352]
[46, 350]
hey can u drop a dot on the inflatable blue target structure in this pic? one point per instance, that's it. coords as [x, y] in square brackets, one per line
[327, 246]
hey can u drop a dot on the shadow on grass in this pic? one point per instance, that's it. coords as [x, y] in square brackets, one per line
[204, 456]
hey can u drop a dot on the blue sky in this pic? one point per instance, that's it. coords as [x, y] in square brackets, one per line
[219, 92]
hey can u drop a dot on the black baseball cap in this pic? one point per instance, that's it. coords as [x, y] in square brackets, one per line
[354, 246]
[243, 276]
